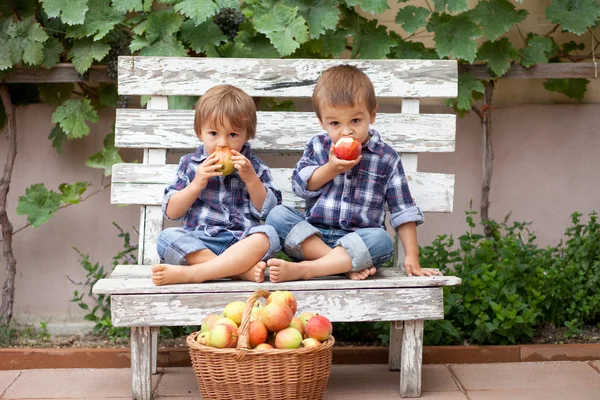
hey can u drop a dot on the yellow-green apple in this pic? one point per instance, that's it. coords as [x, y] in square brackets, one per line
[297, 325]
[263, 346]
[234, 311]
[203, 338]
[288, 338]
[223, 154]
[223, 336]
[306, 315]
[283, 296]
[209, 321]
[310, 342]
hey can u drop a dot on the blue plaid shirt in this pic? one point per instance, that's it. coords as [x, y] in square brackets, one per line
[224, 204]
[356, 199]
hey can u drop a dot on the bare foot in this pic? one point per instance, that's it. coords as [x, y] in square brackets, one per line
[362, 274]
[167, 274]
[283, 271]
[254, 274]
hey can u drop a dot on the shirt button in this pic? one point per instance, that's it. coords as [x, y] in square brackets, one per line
[345, 199]
[344, 222]
[348, 176]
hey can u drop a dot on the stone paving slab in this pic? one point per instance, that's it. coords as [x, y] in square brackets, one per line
[6, 379]
[529, 376]
[588, 393]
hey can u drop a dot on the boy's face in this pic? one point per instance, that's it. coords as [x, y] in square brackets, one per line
[346, 121]
[216, 134]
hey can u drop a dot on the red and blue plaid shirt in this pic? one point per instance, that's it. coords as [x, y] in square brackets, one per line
[224, 204]
[357, 198]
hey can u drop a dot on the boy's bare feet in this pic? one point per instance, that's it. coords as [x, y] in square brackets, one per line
[167, 274]
[284, 271]
[362, 274]
[254, 274]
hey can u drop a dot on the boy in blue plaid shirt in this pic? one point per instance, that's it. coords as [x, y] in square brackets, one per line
[221, 235]
[343, 229]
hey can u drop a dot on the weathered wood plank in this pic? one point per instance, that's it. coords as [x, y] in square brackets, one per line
[141, 363]
[145, 184]
[187, 76]
[412, 358]
[338, 305]
[385, 278]
[395, 352]
[281, 132]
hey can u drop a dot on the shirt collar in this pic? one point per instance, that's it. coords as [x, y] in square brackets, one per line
[374, 142]
[200, 154]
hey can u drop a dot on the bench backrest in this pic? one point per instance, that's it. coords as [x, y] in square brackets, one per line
[158, 129]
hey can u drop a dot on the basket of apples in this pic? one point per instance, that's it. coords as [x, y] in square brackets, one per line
[257, 350]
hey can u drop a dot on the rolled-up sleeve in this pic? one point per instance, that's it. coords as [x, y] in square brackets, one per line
[400, 202]
[308, 164]
[182, 179]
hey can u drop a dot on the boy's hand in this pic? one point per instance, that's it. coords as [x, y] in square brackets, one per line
[413, 267]
[206, 170]
[338, 165]
[244, 166]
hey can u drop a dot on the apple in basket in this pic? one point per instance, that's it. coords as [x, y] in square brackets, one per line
[306, 316]
[209, 321]
[276, 316]
[297, 325]
[347, 148]
[310, 342]
[225, 321]
[257, 333]
[256, 310]
[285, 297]
[288, 338]
[234, 311]
[318, 327]
[223, 336]
[224, 154]
[203, 338]
[264, 346]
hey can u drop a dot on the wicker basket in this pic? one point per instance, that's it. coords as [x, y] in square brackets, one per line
[273, 374]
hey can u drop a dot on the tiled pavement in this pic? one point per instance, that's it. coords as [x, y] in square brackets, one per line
[514, 381]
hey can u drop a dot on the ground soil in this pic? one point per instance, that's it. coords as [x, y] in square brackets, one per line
[545, 335]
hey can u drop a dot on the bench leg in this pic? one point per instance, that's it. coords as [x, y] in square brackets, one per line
[412, 358]
[141, 363]
[155, 330]
[395, 351]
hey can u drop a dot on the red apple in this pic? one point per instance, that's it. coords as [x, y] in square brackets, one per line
[276, 316]
[285, 297]
[258, 333]
[306, 316]
[223, 154]
[318, 327]
[347, 148]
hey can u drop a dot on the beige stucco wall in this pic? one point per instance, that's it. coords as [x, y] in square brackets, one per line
[545, 167]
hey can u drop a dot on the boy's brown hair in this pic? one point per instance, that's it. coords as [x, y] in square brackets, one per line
[226, 102]
[344, 85]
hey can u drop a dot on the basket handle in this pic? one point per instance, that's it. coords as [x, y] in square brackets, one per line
[243, 344]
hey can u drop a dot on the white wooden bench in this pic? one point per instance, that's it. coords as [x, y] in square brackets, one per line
[387, 296]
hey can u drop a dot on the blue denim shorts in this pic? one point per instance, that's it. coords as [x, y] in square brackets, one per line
[174, 244]
[366, 246]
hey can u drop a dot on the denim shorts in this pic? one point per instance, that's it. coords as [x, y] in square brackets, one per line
[366, 246]
[174, 244]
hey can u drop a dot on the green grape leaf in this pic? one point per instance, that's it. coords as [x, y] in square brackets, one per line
[538, 50]
[453, 5]
[372, 6]
[371, 33]
[109, 95]
[227, 4]
[163, 23]
[71, 12]
[100, 19]
[128, 5]
[107, 157]
[138, 43]
[182, 102]
[24, 8]
[499, 54]
[321, 15]
[10, 54]
[203, 37]
[496, 17]
[454, 36]
[284, 27]
[55, 93]
[52, 51]
[140, 28]
[257, 47]
[468, 86]
[574, 15]
[198, 10]
[58, 137]
[71, 193]
[39, 204]
[85, 51]
[72, 116]
[413, 50]
[29, 38]
[412, 18]
[331, 45]
[573, 88]
[168, 46]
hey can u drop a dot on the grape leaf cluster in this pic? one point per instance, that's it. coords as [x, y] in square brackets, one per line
[229, 19]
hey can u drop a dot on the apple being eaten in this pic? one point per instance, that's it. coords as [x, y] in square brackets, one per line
[347, 148]
[224, 154]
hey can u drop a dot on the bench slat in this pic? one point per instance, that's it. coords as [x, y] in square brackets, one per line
[338, 305]
[145, 184]
[190, 76]
[281, 132]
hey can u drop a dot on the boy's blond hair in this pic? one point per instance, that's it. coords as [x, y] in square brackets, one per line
[344, 85]
[226, 103]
